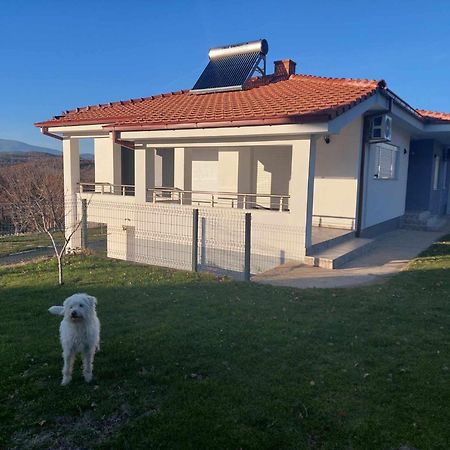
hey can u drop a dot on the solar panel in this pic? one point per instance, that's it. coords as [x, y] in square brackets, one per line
[230, 67]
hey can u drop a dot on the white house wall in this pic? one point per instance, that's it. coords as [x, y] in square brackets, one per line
[264, 170]
[336, 178]
[385, 199]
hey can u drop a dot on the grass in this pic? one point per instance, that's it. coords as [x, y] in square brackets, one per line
[30, 241]
[196, 362]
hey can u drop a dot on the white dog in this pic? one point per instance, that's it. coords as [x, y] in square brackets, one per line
[79, 333]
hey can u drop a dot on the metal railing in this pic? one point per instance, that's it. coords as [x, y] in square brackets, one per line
[220, 198]
[107, 188]
[169, 195]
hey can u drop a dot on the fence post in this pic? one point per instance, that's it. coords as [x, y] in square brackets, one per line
[84, 228]
[247, 245]
[194, 240]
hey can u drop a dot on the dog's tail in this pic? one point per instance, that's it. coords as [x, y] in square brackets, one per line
[57, 310]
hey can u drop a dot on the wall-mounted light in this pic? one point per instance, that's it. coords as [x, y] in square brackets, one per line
[405, 151]
[327, 139]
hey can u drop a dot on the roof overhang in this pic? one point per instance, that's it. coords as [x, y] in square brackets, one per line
[227, 136]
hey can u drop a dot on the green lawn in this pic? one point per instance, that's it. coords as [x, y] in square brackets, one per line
[195, 362]
[31, 241]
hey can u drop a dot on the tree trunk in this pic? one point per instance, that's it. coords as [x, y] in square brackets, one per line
[60, 271]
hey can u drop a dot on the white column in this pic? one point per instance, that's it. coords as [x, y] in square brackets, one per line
[246, 177]
[183, 171]
[144, 173]
[108, 163]
[71, 162]
[301, 186]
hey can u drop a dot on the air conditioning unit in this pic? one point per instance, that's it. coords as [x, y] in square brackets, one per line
[381, 128]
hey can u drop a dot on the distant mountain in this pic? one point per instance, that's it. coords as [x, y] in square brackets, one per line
[11, 146]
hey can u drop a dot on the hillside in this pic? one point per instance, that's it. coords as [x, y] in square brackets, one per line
[17, 152]
[13, 147]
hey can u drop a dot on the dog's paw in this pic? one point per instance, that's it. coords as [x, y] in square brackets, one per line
[65, 381]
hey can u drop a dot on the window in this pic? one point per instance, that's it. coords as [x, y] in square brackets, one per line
[386, 161]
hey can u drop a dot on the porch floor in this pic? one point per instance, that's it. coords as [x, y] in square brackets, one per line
[322, 234]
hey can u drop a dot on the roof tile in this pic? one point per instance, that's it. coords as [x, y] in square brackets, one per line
[298, 98]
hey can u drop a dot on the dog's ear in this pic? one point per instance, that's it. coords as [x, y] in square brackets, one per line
[91, 300]
[57, 310]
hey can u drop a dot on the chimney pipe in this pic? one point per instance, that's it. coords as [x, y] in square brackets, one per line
[284, 68]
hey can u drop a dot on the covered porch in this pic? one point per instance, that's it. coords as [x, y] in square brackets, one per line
[140, 174]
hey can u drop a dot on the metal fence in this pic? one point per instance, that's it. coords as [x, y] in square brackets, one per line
[7, 223]
[225, 241]
[220, 240]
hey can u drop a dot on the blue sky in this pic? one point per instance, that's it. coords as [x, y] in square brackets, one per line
[57, 55]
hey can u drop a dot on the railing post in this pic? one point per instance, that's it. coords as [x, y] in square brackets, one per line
[247, 245]
[84, 227]
[194, 240]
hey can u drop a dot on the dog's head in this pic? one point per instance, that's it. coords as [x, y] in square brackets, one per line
[77, 307]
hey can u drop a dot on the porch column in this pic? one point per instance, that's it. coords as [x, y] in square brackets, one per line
[246, 177]
[183, 171]
[301, 186]
[108, 163]
[144, 173]
[71, 162]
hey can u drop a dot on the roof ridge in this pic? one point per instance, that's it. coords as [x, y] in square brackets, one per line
[381, 82]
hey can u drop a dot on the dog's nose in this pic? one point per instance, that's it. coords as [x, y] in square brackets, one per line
[74, 314]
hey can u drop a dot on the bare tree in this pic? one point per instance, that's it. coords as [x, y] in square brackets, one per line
[36, 194]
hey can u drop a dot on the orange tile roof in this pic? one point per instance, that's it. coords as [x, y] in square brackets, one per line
[300, 98]
[433, 115]
[267, 100]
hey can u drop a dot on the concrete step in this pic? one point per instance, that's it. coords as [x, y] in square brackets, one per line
[337, 255]
[321, 246]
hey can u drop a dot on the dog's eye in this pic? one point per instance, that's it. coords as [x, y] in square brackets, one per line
[81, 305]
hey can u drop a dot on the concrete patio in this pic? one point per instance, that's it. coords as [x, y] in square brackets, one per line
[388, 254]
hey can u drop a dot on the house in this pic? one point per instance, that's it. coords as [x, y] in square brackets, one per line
[314, 159]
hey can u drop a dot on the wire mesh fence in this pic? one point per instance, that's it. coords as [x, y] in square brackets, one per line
[224, 241]
[219, 240]
[8, 224]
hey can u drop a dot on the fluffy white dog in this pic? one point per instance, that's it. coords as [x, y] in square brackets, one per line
[79, 333]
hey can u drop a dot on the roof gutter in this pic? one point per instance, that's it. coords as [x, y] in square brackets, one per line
[44, 130]
[237, 123]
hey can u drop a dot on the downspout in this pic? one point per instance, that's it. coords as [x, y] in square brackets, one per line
[44, 130]
[121, 142]
[361, 178]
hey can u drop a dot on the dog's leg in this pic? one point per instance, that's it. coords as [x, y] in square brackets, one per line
[69, 358]
[88, 360]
